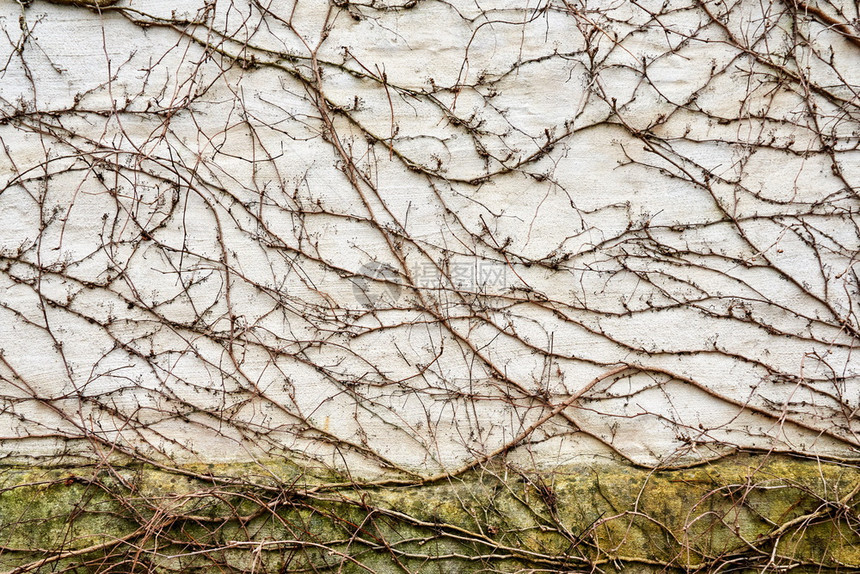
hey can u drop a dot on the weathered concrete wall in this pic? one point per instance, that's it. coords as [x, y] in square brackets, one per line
[745, 514]
[410, 241]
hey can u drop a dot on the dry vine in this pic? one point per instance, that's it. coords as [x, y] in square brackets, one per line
[333, 234]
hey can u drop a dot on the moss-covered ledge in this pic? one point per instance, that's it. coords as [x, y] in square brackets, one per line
[744, 513]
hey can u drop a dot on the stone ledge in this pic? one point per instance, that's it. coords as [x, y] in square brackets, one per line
[750, 513]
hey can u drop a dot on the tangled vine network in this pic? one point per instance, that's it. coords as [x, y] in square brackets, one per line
[403, 243]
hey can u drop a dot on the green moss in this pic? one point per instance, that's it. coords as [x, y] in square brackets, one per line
[756, 513]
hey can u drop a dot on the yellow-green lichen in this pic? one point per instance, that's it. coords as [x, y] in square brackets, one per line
[755, 513]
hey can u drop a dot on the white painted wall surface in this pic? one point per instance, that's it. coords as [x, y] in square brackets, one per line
[195, 197]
